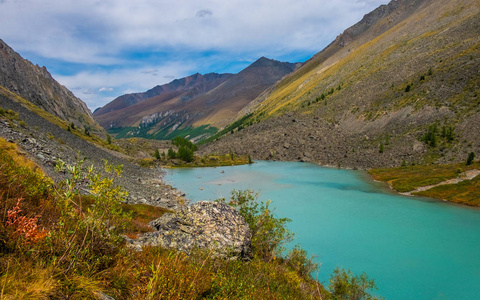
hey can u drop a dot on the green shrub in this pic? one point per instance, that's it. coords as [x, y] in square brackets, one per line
[146, 162]
[345, 285]
[269, 233]
[297, 260]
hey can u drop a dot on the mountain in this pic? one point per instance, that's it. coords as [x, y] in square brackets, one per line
[196, 105]
[36, 85]
[401, 86]
[194, 83]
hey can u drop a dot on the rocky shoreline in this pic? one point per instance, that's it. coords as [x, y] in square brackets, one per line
[209, 225]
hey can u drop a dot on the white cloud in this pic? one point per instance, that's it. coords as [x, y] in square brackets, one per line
[105, 89]
[93, 31]
[97, 88]
[118, 33]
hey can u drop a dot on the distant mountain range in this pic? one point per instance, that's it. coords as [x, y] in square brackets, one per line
[194, 106]
[402, 86]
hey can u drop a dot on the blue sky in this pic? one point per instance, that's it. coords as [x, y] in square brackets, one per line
[101, 49]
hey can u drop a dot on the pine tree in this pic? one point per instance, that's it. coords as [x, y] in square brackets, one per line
[470, 158]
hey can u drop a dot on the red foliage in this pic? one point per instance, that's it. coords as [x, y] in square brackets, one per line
[25, 226]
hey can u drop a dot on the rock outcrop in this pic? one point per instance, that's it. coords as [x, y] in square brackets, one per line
[204, 225]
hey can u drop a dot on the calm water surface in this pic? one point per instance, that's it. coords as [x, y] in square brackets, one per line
[414, 248]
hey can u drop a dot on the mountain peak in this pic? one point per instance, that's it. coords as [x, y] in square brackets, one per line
[263, 61]
[267, 63]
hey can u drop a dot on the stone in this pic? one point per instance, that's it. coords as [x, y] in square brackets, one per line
[205, 225]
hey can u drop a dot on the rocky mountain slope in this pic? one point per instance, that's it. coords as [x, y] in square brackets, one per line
[36, 85]
[46, 143]
[195, 106]
[406, 74]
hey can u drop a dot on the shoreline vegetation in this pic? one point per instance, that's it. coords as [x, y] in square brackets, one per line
[213, 160]
[56, 243]
[457, 183]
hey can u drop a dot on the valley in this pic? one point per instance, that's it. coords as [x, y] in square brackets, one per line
[88, 211]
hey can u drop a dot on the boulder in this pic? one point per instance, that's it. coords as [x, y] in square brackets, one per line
[204, 225]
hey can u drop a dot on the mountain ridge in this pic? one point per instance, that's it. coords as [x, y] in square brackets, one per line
[37, 85]
[414, 66]
[210, 104]
[181, 84]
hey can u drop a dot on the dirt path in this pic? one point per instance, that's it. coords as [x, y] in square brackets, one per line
[468, 175]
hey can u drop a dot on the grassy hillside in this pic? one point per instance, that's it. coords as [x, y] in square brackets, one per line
[381, 84]
[434, 51]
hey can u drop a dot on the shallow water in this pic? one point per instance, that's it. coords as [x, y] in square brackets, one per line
[414, 248]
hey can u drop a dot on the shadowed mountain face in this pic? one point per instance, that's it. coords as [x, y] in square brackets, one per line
[194, 105]
[376, 95]
[36, 85]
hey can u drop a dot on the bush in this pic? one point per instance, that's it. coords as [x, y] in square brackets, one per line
[269, 233]
[146, 162]
[345, 285]
[298, 261]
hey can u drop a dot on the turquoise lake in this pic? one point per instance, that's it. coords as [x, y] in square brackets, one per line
[414, 248]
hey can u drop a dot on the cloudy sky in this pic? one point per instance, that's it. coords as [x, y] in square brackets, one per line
[101, 49]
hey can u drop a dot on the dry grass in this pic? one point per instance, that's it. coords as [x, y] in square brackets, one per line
[27, 281]
[407, 179]
[466, 192]
[77, 261]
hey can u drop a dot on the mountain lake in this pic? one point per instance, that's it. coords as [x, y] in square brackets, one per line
[414, 248]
